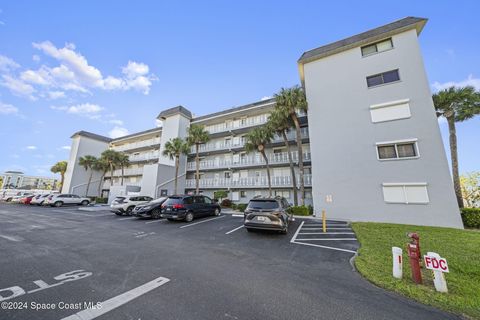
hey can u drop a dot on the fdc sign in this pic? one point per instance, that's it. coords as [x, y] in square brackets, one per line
[435, 263]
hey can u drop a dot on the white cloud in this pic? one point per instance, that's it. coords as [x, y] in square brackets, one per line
[18, 87]
[36, 57]
[116, 122]
[31, 147]
[56, 95]
[134, 69]
[7, 64]
[470, 81]
[7, 109]
[158, 123]
[40, 77]
[265, 98]
[66, 147]
[140, 83]
[84, 108]
[117, 132]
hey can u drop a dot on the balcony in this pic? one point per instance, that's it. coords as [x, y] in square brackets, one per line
[144, 157]
[250, 182]
[237, 124]
[138, 145]
[248, 161]
[127, 172]
[208, 147]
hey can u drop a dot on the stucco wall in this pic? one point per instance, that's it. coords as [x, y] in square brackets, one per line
[343, 137]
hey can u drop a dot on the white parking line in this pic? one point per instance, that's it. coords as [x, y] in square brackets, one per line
[158, 220]
[128, 218]
[195, 223]
[11, 238]
[325, 247]
[327, 233]
[327, 239]
[231, 231]
[329, 228]
[296, 232]
[117, 301]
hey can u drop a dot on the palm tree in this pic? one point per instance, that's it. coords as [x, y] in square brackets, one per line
[60, 167]
[111, 157]
[456, 105]
[288, 102]
[173, 149]
[256, 140]
[123, 162]
[280, 124]
[88, 162]
[103, 166]
[197, 135]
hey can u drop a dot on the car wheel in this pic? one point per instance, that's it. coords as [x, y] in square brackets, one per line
[216, 212]
[118, 213]
[249, 230]
[58, 204]
[189, 217]
[156, 213]
[129, 210]
[85, 203]
[170, 219]
[284, 231]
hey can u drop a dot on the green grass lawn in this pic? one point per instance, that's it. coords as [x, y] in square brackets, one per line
[461, 248]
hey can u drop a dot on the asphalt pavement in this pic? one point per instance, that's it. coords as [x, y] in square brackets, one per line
[61, 263]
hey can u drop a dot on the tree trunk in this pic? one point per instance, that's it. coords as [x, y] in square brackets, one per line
[62, 179]
[454, 157]
[177, 164]
[268, 173]
[100, 184]
[300, 158]
[292, 169]
[122, 175]
[111, 174]
[89, 181]
[197, 173]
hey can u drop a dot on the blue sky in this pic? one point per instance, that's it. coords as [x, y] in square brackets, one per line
[110, 66]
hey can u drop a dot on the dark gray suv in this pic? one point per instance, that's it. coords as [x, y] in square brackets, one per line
[267, 214]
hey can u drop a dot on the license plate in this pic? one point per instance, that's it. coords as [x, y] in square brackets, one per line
[168, 209]
[263, 219]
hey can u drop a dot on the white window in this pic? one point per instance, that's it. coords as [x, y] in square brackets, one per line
[282, 193]
[393, 110]
[401, 149]
[235, 196]
[377, 47]
[408, 193]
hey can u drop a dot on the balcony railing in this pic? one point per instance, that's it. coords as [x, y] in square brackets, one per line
[250, 182]
[240, 143]
[144, 156]
[140, 144]
[273, 158]
[127, 172]
[237, 124]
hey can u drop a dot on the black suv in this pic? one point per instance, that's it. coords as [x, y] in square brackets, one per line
[189, 207]
[267, 214]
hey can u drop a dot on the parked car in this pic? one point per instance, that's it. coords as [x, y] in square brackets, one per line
[126, 204]
[16, 197]
[27, 199]
[267, 214]
[58, 200]
[152, 209]
[189, 207]
[38, 199]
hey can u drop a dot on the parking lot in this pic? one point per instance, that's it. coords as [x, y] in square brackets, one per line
[56, 261]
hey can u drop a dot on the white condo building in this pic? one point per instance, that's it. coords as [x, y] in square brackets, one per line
[373, 150]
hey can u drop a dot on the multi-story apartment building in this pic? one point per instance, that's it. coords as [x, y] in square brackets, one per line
[18, 180]
[373, 151]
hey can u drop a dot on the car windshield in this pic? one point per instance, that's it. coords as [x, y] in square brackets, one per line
[158, 200]
[263, 204]
[172, 201]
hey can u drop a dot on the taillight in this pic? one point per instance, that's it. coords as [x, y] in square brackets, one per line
[178, 206]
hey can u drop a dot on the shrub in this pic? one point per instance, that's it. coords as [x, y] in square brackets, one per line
[101, 200]
[221, 194]
[226, 203]
[241, 207]
[300, 210]
[471, 217]
[234, 206]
